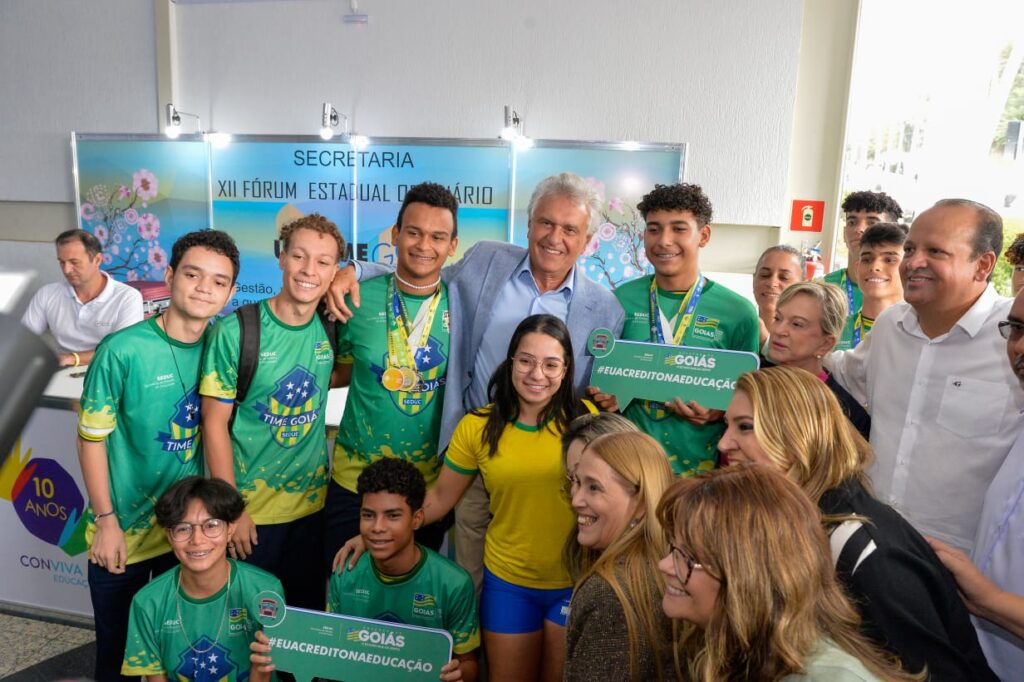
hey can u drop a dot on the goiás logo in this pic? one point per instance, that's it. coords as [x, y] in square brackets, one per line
[707, 327]
[424, 604]
[695, 361]
[377, 638]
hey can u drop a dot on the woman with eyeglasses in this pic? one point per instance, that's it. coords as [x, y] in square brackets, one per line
[613, 632]
[196, 621]
[786, 420]
[514, 444]
[748, 565]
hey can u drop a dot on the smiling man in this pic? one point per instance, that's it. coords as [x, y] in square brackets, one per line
[493, 288]
[680, 306]
[944, 414]
[275, 450]
[861, 210]
[400, 581]
[138, 432]
[393, 355]
[878, 271]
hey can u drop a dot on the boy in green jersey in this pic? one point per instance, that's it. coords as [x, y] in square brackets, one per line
[276, 450]
[861, 210]
[393, 355]
[680, 306]
[878, 271]
[197, 621]
[399, 580]
[138, 432]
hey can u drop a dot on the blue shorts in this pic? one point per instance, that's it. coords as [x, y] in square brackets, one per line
[510, 609]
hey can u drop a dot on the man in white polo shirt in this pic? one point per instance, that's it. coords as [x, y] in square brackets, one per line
[89, 305]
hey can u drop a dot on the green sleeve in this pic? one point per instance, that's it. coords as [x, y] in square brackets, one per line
[462, 620]
[220, 361]
[748, 335]
[334, 592]
[142, 652]
[101, 395]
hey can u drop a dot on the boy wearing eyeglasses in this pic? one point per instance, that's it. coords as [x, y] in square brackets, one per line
[138, 432]
[196, 621]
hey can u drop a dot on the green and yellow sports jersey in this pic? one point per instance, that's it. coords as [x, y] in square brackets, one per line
[378, 422]
[435, 594]
[722, 319]
[140, 397]
[278, 438]
[531, 514]
[171, 633]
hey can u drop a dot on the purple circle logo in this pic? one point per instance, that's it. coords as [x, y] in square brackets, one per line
[49, 504]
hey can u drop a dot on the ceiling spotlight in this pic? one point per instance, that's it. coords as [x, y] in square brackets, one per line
[513, 127]
[172, 129]
[329, 120]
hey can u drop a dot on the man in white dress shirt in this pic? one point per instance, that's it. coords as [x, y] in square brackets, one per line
[944, 411]
[90, 304]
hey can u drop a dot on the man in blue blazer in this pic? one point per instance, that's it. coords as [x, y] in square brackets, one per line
[492, 288]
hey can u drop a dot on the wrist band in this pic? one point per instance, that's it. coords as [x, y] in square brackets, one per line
[78, 363]
[97, 517]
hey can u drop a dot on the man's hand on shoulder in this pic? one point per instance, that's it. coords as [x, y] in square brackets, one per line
[344, 283]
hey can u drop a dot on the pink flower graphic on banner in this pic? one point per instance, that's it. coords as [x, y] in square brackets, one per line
[107, 259]
[87, 211]
[149, 226]
[131, 216]
[615, 205]
[132, 276]
[100, 232]
[114, 249]
[592, 247]
[157, 258]
[144, 183]
[620, 254]
[98, 194]
[606, 231]
[123, 192]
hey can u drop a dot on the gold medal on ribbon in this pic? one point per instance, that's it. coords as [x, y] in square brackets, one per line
[392, 379]
[410, 379]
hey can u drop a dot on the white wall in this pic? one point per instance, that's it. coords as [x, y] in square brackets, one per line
[86, 65]
[719, 75]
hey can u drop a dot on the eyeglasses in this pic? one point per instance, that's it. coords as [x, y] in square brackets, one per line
[680, 560]
[182, 532]
[1011, 330]
[549, 367]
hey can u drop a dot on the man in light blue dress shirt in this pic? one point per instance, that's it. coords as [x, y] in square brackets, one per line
[491, 289]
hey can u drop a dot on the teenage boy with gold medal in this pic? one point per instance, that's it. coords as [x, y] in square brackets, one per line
[393, 355]
[704, 314]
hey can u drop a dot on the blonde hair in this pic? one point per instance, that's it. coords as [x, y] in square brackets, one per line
[830, 299]
[317, 223]
[628, 564]
[758, 534]
[800, 426]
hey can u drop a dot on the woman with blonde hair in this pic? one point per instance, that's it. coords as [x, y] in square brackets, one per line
[785, 418]
[613, 633]
[748, 565]
[809, 320]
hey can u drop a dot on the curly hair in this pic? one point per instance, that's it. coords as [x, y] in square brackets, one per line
[214, 240]
[680, 197]
[396, 476]
[1015, 251]
[873, 202]
[220, 498]
[431, 194]
[316, 223]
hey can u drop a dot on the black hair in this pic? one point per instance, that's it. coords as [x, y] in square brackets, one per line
[214, 240]
[1015, 252]
[785, 248]
[679, 197]
[396, 476]
[563, 407]
[89, 241]
[220, 498]
[988, 230]
[431, 194]
[884, 233]
[872, 202]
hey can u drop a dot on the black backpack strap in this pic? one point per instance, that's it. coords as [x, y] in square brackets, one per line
[248, 353]
[330, 326]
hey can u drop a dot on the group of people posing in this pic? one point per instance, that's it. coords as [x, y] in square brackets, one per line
[671, 541]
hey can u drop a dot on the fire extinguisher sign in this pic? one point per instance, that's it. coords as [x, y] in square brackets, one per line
[808, 215]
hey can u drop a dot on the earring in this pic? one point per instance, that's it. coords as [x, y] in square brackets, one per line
[633, 523]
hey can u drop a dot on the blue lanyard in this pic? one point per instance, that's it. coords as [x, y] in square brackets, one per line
[687, 307]
[849, 293]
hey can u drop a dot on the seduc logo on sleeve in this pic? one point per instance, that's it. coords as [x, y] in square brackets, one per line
[311, 644]
[632, 370]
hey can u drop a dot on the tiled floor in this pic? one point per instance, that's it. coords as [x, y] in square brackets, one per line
[25, 642]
